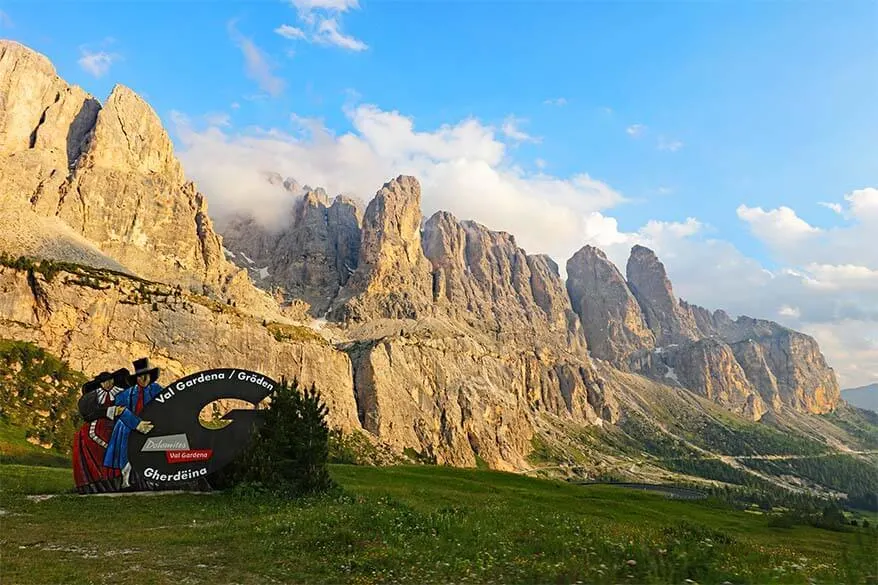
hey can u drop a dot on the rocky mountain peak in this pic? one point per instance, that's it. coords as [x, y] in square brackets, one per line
[614, 324]
[38, 110]
[129, 137]
[652, 288]
[392, 278]
[107, 174]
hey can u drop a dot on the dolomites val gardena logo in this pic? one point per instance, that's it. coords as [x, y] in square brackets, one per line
[183, 444]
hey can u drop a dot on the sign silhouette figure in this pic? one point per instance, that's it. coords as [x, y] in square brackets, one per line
[181, 448]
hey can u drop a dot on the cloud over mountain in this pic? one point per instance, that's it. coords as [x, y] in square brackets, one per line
[825, 285]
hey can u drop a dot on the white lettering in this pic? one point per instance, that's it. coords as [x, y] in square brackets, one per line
[253, 379]
[183, 475]
[200, 379]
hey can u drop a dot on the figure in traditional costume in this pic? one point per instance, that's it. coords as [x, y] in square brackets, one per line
[97, 407]
[143, 388]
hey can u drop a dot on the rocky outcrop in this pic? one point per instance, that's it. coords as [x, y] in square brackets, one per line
[110, 174]
[750, 355]
[483, 278]
[38, 110]
[311, 257]
[708, 367]
[392, 279]
[99, 321]
[455, 397]
[747, 365]
[802, 380]
[614, 324]
[651, 287]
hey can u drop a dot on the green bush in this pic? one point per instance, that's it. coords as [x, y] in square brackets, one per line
[288, 453]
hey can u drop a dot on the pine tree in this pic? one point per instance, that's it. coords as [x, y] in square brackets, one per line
[288, 453]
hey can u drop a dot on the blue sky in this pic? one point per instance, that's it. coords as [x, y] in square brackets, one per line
[686, 109]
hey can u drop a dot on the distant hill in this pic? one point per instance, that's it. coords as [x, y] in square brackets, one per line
[862, 397]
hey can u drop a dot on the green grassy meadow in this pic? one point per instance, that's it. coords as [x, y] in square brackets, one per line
[409, 524]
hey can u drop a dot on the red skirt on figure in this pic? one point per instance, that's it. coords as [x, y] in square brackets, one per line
[90, 442]
[89, 446]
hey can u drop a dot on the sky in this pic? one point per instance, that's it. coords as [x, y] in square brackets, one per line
[739, 140]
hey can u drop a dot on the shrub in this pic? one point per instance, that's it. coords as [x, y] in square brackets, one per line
[289, 451]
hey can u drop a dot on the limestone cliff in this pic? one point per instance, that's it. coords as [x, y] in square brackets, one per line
[483, 278]
[614, 324]
[392, 279]
[107, 173]
[310, 257]
[708, 367]
[651, 287]
[438, 336]
[747, 365]
[98, 321]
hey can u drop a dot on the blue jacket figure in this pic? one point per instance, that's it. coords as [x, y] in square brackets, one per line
[143, 388]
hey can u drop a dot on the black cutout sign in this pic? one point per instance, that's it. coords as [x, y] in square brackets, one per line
[179, 448]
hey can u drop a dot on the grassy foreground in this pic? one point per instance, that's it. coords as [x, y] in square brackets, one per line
[412, 524]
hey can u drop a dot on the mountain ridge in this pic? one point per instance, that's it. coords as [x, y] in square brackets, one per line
[862, 396]
[436, 334]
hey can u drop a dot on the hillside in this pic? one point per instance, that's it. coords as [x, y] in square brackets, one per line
[421, 524]
[433, 337]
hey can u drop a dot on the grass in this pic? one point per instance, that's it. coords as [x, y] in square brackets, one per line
[14, 448]
[283, 332]
[409, 524]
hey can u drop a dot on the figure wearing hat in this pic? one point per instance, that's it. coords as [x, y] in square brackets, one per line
[97, 407]
[143, 388]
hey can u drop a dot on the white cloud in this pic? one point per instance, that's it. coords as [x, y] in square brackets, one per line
[788, 311]
[864, 205]
[465, 168]
[836, 207]
[511, 130]
[635, 130]
[96, 63]
[847, 277]
[328, 33]
[5, 20]
[218, 119]
[290, 32]
[540, 163]
[235, 105]
[780, 227]
[462, 167]
[796, 242]
[256, 63]
[669, 145]
[321, 24]
[558, 101]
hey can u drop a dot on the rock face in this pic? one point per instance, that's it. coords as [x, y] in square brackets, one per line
[747, 365]
[483, 278]
[109, 173]
[651, 287]
[708, 367]
[440, 336]
[614, 324]
[100, 322]
[804, 382]
[311, 257]
[392, 279]
[37, 109]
